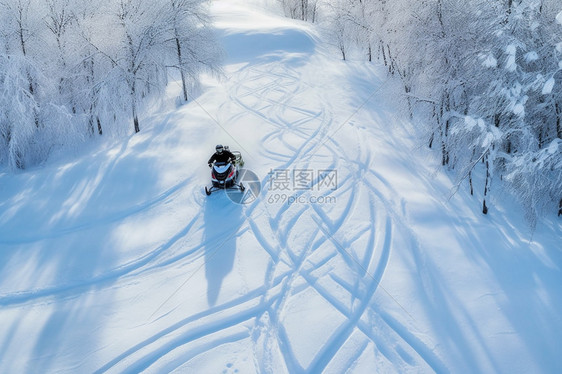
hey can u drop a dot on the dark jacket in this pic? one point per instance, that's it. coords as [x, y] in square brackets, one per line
[225, 156]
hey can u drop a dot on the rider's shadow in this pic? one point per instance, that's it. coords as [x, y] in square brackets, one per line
[223, 220]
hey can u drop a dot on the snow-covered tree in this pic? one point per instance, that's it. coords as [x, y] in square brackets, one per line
[64, 77]
[192, 39]
[18, 110]
[483, 76]
[305, 10]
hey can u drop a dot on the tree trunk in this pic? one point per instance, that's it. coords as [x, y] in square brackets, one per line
[135, 117]
[313, 14]
[558, 124]
[29, 78]
[440, 18]
[407, 90]
[24, 52]
[91, 126]
[444, 135]
[136, 123]
[304, 12]
[91, 122]
[447, 123]
[470, 175]
[182, 73]
[486, 185]
[391, 61]
[508, 11]
[134, 108]
[444, 157]
[19, 160]
[383, 55]
[15, 158]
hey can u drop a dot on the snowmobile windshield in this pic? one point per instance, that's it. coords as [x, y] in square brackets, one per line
[222, 167]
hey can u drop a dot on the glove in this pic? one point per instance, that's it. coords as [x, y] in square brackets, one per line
[210, 165]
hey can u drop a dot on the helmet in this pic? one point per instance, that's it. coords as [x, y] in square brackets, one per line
[219, 148]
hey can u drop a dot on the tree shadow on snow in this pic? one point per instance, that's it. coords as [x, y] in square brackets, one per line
[65, 235]
[223, 220]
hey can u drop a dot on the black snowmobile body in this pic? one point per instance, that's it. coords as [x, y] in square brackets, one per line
[224, 175]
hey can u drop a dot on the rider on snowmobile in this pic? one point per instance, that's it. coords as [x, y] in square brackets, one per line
[221, 155]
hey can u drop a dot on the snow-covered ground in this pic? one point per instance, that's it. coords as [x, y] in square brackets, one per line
[116, 261]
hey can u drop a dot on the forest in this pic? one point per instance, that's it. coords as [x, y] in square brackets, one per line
[71, 70]
[480, 78]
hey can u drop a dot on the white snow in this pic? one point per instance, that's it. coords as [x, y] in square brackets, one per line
[116, 261]
[554, 146]
[548, 86]
[490, 61]
[511, 63]
[531, 56]
[559, 18]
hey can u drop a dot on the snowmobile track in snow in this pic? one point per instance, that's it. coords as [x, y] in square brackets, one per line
[313, 128]
[271, 93]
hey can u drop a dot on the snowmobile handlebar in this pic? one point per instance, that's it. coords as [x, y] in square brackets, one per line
[230, 161]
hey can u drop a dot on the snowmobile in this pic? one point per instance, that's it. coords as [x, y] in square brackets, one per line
[224, 175]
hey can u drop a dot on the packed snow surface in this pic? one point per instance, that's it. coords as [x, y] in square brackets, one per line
[355, 257]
